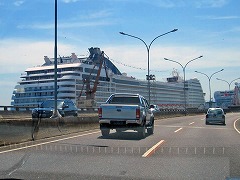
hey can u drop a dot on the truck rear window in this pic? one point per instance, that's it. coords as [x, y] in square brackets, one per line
[125, 100]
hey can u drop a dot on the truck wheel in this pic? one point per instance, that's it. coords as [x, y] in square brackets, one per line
[151, 129]
[142, 132]
[105, 132]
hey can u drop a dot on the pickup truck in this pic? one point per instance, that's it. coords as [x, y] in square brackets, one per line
[126, 112]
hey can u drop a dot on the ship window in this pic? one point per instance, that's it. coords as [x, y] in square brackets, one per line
[125, 82]
[79, 69]
[84, 76]
[67, 69]
[93, 71]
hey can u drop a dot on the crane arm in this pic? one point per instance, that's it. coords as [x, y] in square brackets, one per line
[94, 89]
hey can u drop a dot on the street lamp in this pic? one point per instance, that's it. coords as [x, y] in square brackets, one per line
[55, 114]
[148, 55]
[229, 84]
[209, 84]
[184, 79]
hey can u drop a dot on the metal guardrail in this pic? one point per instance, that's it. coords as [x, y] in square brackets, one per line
[13, 108]
[94, 109]
[26, 109]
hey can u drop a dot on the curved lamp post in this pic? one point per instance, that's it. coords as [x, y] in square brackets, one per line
[184, 79]
[209, 84]
[229, 84]
[148, 55]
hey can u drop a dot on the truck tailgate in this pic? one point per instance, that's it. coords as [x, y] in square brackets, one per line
[113, 111]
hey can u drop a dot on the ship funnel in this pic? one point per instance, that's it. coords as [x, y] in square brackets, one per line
[95, 53]
[94, 50]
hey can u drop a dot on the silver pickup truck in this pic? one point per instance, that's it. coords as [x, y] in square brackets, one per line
[126, 111]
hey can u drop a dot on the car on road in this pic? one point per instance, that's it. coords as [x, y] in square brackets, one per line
[124, 111]
[65, 107]
[215, 115]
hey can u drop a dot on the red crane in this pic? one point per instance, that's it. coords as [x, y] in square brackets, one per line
[90, 92]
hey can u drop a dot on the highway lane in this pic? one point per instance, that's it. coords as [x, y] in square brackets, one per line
[210, 151]
[181, 148]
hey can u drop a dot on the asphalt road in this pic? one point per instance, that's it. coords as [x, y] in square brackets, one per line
[180, 148]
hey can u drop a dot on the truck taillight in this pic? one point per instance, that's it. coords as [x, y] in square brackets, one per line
[100, 112]
[137, 113]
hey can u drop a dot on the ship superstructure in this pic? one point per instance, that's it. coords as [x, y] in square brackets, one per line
[37, 84]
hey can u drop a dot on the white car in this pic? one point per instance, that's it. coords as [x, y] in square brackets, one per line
[215, 115]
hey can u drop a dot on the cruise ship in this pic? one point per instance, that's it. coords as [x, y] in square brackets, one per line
[37, 83]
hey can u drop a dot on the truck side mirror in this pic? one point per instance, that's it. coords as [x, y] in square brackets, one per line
[151, 106]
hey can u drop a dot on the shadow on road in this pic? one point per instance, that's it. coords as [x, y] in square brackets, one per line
[125, 135]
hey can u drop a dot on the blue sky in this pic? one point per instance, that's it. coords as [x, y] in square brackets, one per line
[210, 28]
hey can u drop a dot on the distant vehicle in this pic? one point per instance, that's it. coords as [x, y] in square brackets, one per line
[155, 108]
[126, 112]
[215, 115]
[65, 108]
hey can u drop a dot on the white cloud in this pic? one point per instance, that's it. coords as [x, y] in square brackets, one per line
[184, 3]
[235, 29]
[70, 1]
[166, 3]
[66, 25]
[210, 3]
[18, 3]
[219, 17]
[20, 54]
[99, 14]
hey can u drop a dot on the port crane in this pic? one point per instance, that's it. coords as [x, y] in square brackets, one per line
[90, 92]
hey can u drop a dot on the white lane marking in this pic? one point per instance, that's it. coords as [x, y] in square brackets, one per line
[152, 149]
[191, 123]
[53, 141]
[234, 125]
[178, 130]
[204, 127]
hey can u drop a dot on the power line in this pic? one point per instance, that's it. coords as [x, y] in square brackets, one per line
[126, 65]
